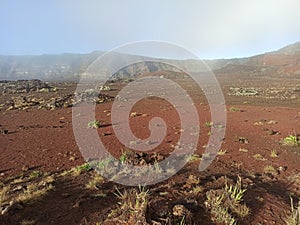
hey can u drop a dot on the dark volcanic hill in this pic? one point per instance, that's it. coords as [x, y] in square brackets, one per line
[282, 63]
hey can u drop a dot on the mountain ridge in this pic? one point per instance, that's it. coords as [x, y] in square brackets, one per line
[70, 66]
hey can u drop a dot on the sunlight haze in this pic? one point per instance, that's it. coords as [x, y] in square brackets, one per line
[210, 29]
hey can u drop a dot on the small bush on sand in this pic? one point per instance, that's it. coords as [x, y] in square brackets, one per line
[226, 205]
[294, 217]
[94, 124]
[291, 140]
[132, 206]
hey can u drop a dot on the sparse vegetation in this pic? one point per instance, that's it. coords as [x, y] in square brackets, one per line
[135, 114]
[94, 181]
[243, 140]
[94, 124]
[132, 206]
[28, 222]
[208, 124]
[259, 157]
[32, 188]
[294, 217]
[194, 157]
[35, 174]
[274, 154]
[82, 168]
[270, 170]
[243, 150]
[124, 156]
[291, 140]
[222, 152]
[233, 109]
[226, 205]
[33, 192]
[178, 200]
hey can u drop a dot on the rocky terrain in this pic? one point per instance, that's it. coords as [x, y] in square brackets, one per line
[253, 179]
[69, 67]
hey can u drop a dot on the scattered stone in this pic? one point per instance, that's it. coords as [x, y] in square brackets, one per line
[6, 208]
[243, 140]
[273, 132]
[282, 168]
[297, 88]
[243, 91]
[180, 210]
[18, 188]
[106, 133]
[271, 122]
[25, 86]
[4, 131]
[91, 96]
[59, 102]
[121, 99]
[105, 88]
[26, 102]
[65, 195]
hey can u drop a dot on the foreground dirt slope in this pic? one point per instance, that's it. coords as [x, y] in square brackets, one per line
[38, 146]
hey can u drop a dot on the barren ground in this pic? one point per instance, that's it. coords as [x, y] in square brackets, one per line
[37, 147]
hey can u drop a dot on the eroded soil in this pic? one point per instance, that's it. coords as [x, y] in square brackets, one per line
[42, 140]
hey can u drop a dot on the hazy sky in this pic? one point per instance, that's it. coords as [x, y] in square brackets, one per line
[209, 28]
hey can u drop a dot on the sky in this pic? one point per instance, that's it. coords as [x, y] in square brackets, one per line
[208, 28]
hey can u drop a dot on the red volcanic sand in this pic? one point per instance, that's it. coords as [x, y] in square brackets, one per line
[44, 140]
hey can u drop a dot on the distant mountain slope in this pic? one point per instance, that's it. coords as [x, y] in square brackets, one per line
[293, 49]
[284, 62]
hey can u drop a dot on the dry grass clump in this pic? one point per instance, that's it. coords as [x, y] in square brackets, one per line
[225, 205]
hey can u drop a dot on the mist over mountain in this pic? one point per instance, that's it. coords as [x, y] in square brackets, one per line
[284, 62]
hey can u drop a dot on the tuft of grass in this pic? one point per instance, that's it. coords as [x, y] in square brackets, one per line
[222, 152]
[94, 124]
[96, 180]
[291, 140]
[295, 179]
[274, 154]
[157, 167]
[86, 167]
[28, 222]
[36, 190]
[197, 190]
[236, 192]
[124, 156]
[271, 170]
[225, 204]
[208, 124]
[191, 182]
[233, 109]
[3, 194]
[259, 157]
[182, 221]
[294, 217]
[33, 192]
[132, 206]
[35, 174]
[194, 157]
[243, 150]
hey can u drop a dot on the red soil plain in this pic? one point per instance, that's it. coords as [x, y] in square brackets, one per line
[42, 181]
